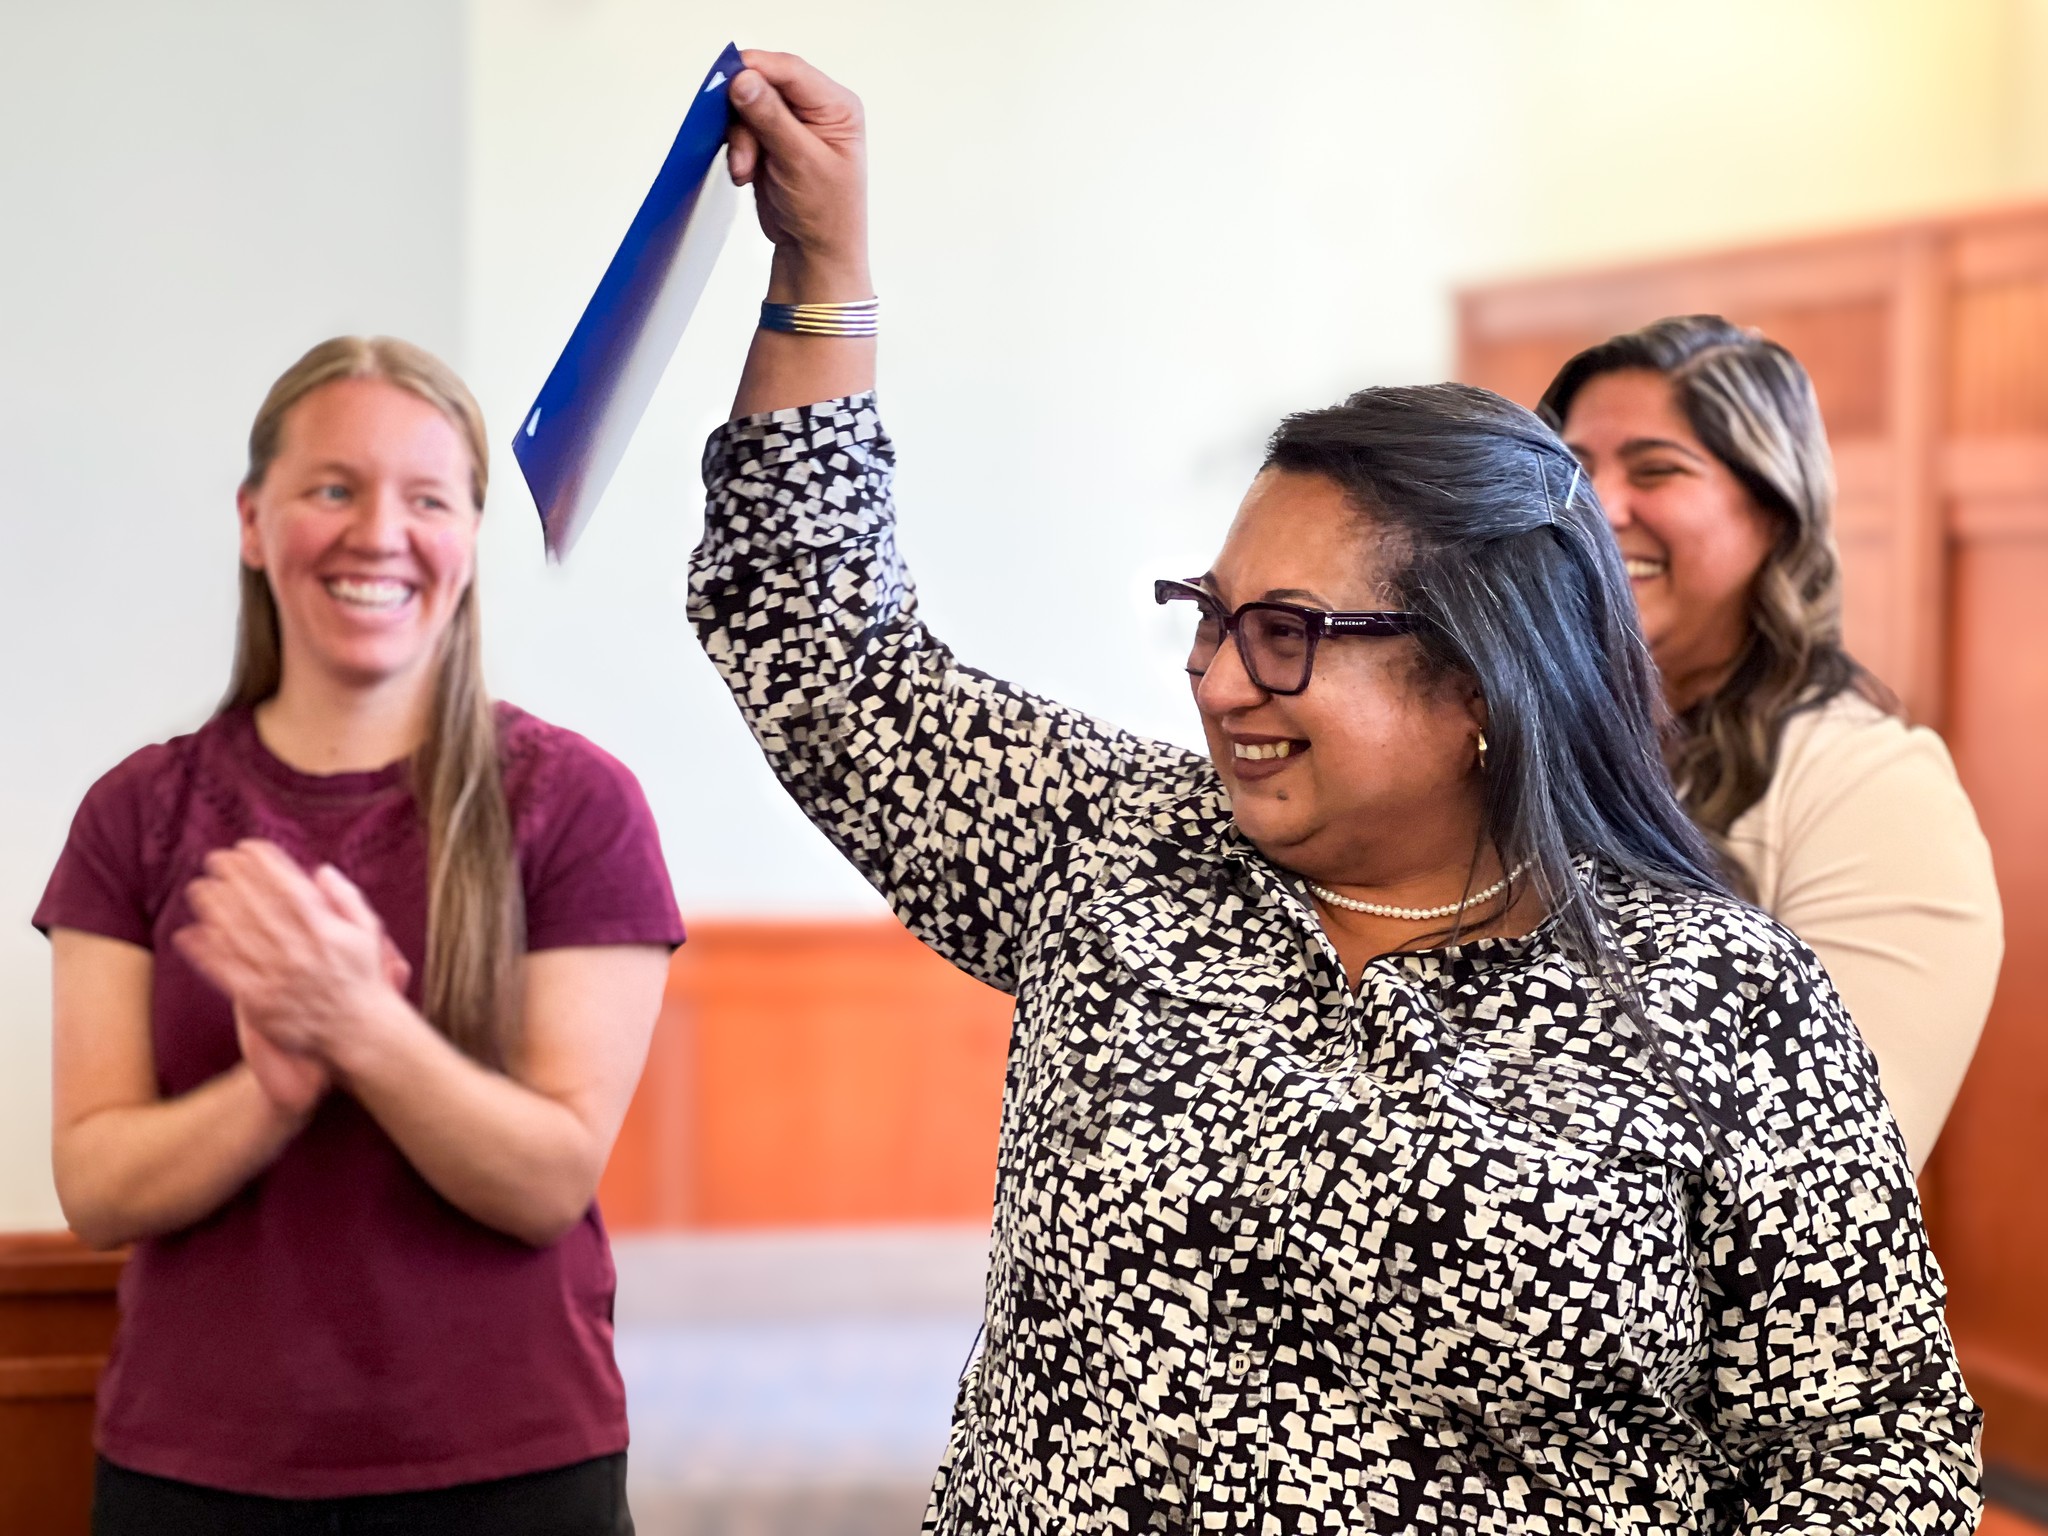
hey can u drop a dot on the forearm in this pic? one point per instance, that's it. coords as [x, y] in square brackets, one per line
[142, 1170]
[890, 746]
[1842, 1398]
[802, 602]
[1918, 1475]
[784, 371]
[502, 1153]
[1836, 1383]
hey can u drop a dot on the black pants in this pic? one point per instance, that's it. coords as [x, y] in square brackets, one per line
[588, 1499]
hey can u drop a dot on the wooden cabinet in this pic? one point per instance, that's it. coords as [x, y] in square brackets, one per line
[813, 1073]
[56, 1321]
[1928, 346]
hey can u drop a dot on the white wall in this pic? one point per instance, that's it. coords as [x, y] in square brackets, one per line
[192, 194]
[1114, 242]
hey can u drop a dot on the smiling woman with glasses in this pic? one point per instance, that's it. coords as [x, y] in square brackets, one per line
[1276, 641]
[1403, 1129]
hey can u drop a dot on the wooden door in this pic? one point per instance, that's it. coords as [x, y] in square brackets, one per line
[1928, 346]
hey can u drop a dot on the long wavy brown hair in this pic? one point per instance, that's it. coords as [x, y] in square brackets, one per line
[1752, 405]
[475, 912]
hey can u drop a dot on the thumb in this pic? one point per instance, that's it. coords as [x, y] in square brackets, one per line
[397, 969]
[761, 107]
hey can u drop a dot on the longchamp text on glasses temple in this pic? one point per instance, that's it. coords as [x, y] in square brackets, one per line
[573, 437]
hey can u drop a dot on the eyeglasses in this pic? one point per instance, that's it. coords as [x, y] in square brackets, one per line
[1275, 641]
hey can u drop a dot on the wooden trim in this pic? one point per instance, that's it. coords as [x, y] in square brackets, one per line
[1828, 271]
[1866, 469]
[1984, 468]
[53, 1263]
[57, 1319]
[2000, 1521]
[53, 1376]
[1991, 240]
[2018, 521]
[2003, 253]
[1918, 369]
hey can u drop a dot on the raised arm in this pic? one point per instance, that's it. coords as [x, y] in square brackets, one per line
[949, 789]
[801, 143]
[1837, 1391]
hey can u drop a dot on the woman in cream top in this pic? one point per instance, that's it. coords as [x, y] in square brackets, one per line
[1849, 826]
[1866, 847]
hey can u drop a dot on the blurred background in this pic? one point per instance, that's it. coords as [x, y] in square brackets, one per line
[1114, 242]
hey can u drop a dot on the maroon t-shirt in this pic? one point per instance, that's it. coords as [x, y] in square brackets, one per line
[337, 1327]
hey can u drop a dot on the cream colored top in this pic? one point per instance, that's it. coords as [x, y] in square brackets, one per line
[1866, 847]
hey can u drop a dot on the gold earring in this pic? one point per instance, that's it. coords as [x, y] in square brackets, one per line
[1482, 751]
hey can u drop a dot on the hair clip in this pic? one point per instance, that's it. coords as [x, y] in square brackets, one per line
[1554, 511]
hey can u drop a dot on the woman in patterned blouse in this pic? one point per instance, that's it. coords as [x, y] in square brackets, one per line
[1402, 1131]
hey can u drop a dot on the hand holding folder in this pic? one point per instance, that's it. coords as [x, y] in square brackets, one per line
[577, 430]
[799, 139]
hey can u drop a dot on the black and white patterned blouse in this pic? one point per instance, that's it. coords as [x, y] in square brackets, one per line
[1273, 1254]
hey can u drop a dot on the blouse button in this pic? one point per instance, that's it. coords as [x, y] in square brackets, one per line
[1240, 1366]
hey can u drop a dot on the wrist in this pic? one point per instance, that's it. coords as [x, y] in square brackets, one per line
[376, 1034]
[280, 1122]
[798, 278]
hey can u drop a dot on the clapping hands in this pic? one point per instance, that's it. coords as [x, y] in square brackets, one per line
[304, 958]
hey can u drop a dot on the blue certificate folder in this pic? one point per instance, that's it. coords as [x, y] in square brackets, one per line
[577, 431]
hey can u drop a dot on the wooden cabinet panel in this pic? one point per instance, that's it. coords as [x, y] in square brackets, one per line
[804, 1073]
[1845, 348]
[1868, 597]
[1998, 367]
[1994, 1203]
[836, 1073]
[1521, 367]
[57, 1319]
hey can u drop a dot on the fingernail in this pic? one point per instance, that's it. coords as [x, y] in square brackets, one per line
[746, 86]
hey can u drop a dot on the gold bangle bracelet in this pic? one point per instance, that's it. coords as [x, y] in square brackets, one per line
[853, 319]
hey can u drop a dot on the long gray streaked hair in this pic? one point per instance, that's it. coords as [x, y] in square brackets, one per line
[1495, 538]
[1753, 407]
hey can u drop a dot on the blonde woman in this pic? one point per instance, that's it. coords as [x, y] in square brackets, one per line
[1842, 821]
[353, 985]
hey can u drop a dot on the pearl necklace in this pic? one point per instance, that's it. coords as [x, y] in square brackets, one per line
[1417, 914]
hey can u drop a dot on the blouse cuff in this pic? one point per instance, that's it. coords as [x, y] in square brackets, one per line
[807, 476]
[782, 437]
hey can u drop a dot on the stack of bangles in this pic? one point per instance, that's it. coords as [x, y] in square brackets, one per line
[855, 319]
